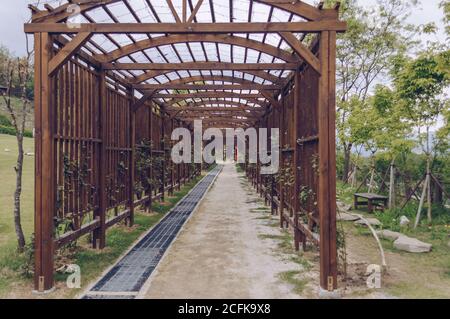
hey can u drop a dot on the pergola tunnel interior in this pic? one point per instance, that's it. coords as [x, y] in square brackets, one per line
[113, 80]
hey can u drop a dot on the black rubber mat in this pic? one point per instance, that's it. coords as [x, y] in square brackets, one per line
[133, 270]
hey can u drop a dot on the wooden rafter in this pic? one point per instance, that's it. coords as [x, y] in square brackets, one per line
[68, 51]
[216, 109]
[218, 102]
[184, 38]
[301, 50]
[170, 86]
[174, 11]
[148, 95]
[261, 74]
[194, 13]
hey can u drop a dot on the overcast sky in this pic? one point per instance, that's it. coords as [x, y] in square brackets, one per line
[14, 13]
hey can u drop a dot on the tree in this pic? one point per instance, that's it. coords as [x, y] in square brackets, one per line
[17, 74]
[391, 133]
[420, 85]
[364, 55]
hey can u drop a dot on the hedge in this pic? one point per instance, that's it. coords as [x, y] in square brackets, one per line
[11, 131]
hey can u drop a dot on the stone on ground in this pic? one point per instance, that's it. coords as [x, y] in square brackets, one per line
[388, 234]
[371, 221]
[411, 245]
[404, 221]
[342, 207]
[347, 217]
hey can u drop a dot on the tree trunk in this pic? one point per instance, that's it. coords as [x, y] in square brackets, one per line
[17, 194]
[347, 153]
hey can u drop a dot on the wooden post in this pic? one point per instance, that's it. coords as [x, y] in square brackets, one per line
[99, 234]
[45, 184]
[281, 186]
[150, 195]
[297, 150]
[132, 164]
[163, 163]
[327, 161]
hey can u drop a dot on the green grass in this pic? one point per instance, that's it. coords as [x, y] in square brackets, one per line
[8, 240]
[92, 262]
[292, 277]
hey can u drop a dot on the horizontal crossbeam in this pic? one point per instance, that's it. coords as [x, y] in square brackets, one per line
[169, 86]
[163, 28]
[204, 95]
[215, 109]
[200, 66]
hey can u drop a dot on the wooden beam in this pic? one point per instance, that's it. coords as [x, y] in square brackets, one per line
[218, 120]
[174, 12]
[45, 184]
[184, 38]
[204, 95]
[271, 99]
[68, 51]
[261, 74]
[168, 86]
[235, 104]
[190, 28]
[201, 79]
[216, 100]
[326, 196]
[147, 95]
[301, 50]
[299, 8]
[216, 109]
[200, 66]
[195, 11]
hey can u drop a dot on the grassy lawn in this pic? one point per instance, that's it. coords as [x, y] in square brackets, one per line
[8, 176]
[13, 280]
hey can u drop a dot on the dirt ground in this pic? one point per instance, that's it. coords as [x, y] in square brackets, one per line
[220, 253]
[407, 276]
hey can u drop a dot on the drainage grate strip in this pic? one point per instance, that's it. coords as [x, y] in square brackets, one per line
[133, 270]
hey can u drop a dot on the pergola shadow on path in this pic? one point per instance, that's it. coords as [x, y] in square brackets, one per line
[113, 78]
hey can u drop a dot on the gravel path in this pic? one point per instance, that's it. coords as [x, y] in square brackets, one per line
[220, 253]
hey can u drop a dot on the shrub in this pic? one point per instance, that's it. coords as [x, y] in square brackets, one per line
[5, 121]
[11, 131]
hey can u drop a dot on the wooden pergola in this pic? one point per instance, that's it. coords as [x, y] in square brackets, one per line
[113, 81]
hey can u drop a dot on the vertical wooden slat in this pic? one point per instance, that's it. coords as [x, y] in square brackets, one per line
[99, 234]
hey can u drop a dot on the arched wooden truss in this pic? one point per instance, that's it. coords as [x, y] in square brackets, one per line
[113, 86]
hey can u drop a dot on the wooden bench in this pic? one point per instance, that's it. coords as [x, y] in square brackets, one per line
[372, 200]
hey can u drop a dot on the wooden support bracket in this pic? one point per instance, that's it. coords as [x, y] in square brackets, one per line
[68, 51]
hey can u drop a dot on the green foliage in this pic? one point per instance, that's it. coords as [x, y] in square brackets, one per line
[9, 130]
[420, 84]
[5, 121]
